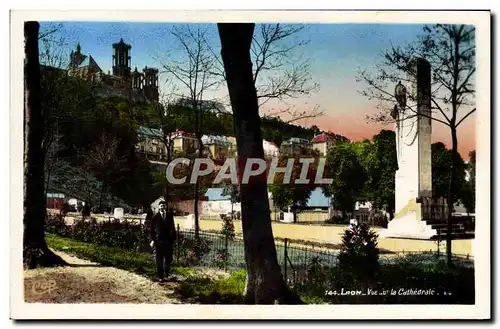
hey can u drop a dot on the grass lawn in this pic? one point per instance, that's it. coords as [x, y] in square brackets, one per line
[195, 287]
[136, 262]
[403, 276]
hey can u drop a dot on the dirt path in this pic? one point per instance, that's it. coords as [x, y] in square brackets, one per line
[87, 282]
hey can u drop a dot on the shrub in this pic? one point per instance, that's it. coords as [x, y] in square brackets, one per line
[191, 249]
[358, 252]
[228, 228]
[54, 223]
[112, 234]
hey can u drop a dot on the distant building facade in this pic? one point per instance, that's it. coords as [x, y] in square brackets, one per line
[295, 146]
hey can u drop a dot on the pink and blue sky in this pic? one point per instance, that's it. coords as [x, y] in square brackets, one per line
[336, 53]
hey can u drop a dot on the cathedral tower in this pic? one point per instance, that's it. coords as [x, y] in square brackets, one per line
[151, 84]
[121, 59]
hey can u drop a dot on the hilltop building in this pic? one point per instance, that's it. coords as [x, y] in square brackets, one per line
[123, 82]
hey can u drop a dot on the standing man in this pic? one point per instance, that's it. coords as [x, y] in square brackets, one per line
[162, 240]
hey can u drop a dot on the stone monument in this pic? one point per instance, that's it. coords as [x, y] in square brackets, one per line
[413, 141]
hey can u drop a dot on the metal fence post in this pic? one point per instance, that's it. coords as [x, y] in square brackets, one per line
[285, 260]
[226, 251]
[178, 242]
[439, 241]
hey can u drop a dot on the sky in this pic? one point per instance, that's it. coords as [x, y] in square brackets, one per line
[336, 53]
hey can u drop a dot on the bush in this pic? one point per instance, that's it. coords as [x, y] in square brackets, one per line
[228, 228]
[358, 252]
[54, 223]
[66, 208]
[191, 250]
[112, 234]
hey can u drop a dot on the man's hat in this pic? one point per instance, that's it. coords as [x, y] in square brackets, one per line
[163, 202]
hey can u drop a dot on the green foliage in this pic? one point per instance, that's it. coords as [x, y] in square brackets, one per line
[75, 118]
[126, 236]
[222, 290]
[288, 194]
[335, 284]
[129, 260]
[411, 271]
[349, 176]
[358, 251]
[192, 249]
[382, 171]
[468, 195]
[228, 228]
[441, 174]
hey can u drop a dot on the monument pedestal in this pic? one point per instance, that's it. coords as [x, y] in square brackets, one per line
[408, 224]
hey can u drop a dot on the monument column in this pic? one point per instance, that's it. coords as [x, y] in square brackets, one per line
[423, 91]
[414, 175]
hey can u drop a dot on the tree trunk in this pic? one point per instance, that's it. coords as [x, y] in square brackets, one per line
[35, 250]
[101, 195]
[47, 180]
[232, 208]
[196, 196]
[196, 210]
[450, 201]
[264, 282]
[167, 143]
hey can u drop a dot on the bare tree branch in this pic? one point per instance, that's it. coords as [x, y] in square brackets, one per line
[465, 117]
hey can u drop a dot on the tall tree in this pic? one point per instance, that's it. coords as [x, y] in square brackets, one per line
[105, 159]
[349, 177]
[288, 194]
[194, 79]
[451, 51]
[161, 124]
[469, 191]
[35, 250]
[233, 191]
[441, 163]
[264, 283]
[382, 171]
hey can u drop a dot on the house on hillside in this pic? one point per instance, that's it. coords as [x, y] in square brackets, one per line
[150, 145]
[270, 149]
[295, 146]
[324, 141]
[184, 142]
[218, 147]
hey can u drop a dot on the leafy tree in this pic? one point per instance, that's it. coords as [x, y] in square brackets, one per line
[469, 190]
[289, 194]
[349, 177]
[382, 171]
[233, 191]
[441, 162]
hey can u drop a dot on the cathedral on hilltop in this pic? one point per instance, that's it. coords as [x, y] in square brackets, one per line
[123, 82]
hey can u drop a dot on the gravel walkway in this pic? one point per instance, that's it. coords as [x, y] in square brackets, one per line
[87, 282]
